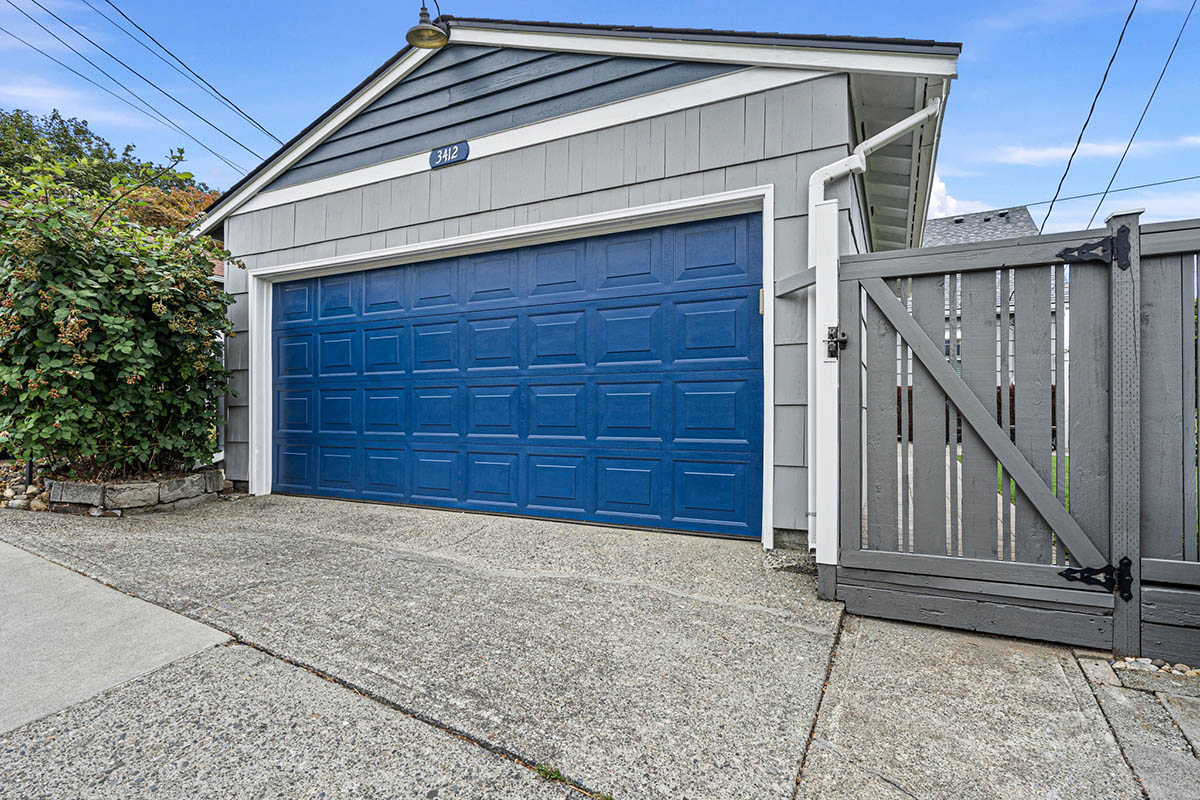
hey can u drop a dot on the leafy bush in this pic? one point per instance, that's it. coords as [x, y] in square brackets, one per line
[109, 329]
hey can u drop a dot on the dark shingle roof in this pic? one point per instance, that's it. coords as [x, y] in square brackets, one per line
[982, 226]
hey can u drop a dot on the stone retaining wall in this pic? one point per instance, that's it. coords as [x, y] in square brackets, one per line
[134, 497]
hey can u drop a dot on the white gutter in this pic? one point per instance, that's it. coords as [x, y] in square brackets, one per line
[823, 464]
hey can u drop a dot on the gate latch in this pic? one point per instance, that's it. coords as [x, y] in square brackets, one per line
[1118, 578]
[835, 340]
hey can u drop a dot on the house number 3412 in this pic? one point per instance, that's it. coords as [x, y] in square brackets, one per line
[450, 154]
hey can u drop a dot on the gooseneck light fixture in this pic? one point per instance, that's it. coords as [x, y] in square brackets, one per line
[428, 35]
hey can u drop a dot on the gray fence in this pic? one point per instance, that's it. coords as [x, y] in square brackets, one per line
[1069, 364]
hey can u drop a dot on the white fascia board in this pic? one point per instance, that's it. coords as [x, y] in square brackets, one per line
[665, 101]
[347, 112]
[765, 55]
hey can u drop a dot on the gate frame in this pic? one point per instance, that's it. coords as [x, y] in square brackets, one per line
[755, 199]
[1123, 232]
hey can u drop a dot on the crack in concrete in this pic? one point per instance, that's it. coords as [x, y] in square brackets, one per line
[812, 730]
[824, 745]
[1108, 722]
[238, 639]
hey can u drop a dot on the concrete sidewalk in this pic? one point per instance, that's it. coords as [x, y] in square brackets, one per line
[65, 638]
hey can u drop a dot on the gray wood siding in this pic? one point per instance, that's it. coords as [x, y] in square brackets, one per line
[466, 91]
[664, 158]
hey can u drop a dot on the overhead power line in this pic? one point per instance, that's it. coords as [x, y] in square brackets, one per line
[1149, 100]
[1091, 110]
[170, 64]
[161, 90]
[163, 117]
[1114, 191]
[167, 50]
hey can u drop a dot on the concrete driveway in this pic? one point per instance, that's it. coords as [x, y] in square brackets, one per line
[638, 664]
[396, 652]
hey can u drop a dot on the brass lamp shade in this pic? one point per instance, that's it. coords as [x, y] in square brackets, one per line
[425, 34]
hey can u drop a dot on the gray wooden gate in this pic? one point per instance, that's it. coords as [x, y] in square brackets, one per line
[1018, 429]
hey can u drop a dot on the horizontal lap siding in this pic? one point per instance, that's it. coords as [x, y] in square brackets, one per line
[465, 92]
[785, 134]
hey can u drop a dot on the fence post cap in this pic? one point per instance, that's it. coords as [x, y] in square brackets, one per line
[1132, 211]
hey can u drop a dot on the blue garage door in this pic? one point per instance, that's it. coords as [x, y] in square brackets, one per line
[615, 379]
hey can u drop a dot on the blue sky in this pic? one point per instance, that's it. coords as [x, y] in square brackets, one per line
[1026, 77]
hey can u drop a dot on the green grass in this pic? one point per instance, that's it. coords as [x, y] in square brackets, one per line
[1012, 485]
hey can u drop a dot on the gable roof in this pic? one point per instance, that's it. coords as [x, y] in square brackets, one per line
[734, 47]
[981, 226]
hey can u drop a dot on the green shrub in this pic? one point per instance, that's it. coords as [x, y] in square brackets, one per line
[109, 330]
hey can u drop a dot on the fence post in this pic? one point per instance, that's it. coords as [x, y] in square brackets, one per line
[1125, 425]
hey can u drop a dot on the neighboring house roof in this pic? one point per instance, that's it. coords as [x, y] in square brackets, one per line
[982, 226]
[891, 63]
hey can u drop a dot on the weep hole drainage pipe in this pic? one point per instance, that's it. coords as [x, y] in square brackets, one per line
[823, 305]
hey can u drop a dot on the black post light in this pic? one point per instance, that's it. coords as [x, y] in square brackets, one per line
[428, 35]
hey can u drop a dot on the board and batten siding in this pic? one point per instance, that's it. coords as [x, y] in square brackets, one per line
[775, 137]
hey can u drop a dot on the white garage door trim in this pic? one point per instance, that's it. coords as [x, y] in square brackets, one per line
[753, 199]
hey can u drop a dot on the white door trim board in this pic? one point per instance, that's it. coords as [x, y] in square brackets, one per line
[666, 101]
[754, 199]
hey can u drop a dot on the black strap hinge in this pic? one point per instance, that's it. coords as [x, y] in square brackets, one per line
[1118, 578]
[1101, 250]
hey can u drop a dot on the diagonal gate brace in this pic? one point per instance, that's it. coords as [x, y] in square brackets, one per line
[932, 356]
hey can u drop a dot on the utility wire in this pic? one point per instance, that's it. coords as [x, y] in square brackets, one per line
[1114, 191]
[164, 118]
[71, 69]
[160, 57]
[1149, 100]
[167, 50]
[1091, 110]
[161, 90]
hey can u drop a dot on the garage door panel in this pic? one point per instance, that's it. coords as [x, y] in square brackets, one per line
[616, 379]
[385, 410]
[630, 411]
[339, 411]
[340, 296]
[494, 411]
[493, 479]
[385, 350]
[339, 353]
[493, 343]
[556, 271]
[384, 472]
[384, 290]
[711, 250]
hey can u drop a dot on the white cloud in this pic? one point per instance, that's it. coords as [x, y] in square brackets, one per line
[1040, 156]
[40, 97]
[944, 204]
[1161, 205]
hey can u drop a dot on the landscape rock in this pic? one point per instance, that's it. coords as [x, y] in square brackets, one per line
[90, 494]
[131, 495]
[38, 504]
[19, 502]
[69, 508]
[192, 502]
[214, 479]
[181, 488]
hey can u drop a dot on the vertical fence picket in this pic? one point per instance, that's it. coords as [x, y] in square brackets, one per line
[929, 431]
[1161, 408]
[953, 468]
[852, 469]
[1004, 381]
[1060, 396]
[979, 521]
[1187, 335]
[905, 454]
[1088, 374]
[1035, 540]
[883, 530]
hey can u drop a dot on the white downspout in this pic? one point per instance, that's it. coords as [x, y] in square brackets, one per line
[822, 371]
